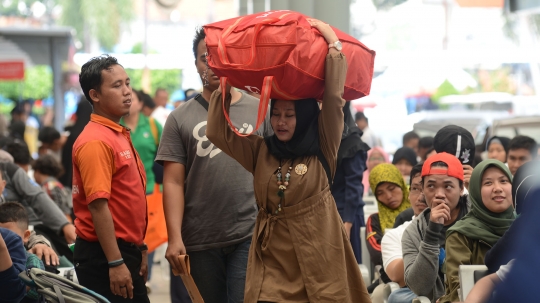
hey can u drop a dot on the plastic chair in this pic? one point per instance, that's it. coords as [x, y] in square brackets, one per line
[365, 267]
[388, 289]
[467, 280]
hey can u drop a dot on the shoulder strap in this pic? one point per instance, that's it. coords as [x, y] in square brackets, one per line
[201, 101]
[154, 130]
[324, 163]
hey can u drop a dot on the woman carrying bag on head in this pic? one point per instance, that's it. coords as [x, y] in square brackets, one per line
[300, 251]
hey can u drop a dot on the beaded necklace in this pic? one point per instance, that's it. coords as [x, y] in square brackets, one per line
[282, 186]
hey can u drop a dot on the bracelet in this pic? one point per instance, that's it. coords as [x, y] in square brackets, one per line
[116, 263]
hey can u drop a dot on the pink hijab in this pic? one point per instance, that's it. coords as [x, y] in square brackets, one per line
[365, 178]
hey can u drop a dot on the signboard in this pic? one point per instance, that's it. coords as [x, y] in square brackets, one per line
[11, 70]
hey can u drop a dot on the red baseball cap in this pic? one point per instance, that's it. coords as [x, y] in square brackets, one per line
[455, 168]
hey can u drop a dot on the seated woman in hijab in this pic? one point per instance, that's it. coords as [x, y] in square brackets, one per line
[300, 251]
[492, 213]
[392, 197]
[404, 160]
[497, 148]
[525, 181]
[513, 259]
[376, 155]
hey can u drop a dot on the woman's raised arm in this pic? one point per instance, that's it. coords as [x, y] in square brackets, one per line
[331, 117]
[242, 149]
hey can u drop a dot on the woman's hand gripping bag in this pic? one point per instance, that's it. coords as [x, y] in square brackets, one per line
[277, 54]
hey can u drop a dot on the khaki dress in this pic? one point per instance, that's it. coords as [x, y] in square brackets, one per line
[301, 253]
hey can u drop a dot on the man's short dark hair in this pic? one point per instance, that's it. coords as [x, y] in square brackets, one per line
[360, 116]
[48, 135]
[20, 152]
[146, 99]
[189, 94]
[17, 129]
[199, 35]
[524, 142]
[429, 151]
[90, 76]
[4, 141]
[417, 169]
[48, 165]
[425, 142]
[410, 136]
[14, 212]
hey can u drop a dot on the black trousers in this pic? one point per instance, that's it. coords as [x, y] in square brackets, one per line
[92, 270]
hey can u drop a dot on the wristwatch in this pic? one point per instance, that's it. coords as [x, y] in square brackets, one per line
[337, 45]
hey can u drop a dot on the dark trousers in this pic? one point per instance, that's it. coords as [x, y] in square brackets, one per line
[355, 236]
[92, 270]
[178, 291]
[220, 274]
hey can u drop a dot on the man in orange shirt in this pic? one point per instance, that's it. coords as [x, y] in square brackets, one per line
[109, 194]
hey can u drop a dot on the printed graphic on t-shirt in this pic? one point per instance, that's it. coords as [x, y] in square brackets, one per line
[126, 154]
[204, 146]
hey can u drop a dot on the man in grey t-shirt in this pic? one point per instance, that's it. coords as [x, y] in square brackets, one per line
[209, 200]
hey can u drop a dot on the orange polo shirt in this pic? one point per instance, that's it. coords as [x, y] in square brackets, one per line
[105, 165]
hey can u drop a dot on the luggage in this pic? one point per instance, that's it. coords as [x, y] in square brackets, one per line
[277, 54]
[56, 289]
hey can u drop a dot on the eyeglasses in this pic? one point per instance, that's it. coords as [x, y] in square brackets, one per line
[376, 159]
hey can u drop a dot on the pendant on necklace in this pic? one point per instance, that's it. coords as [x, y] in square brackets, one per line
[300, 169]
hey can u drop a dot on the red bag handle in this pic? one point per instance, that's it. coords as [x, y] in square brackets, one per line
[263, 103]
[222, 49]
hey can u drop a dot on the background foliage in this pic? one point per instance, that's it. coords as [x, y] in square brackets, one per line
[169, 79]
[37, 84]
[102, 19]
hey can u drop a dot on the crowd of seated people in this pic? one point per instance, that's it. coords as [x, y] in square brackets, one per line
[464, 211]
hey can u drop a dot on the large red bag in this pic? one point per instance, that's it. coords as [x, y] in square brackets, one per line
[277, 54]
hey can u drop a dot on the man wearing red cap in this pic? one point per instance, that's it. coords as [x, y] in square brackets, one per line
[424, 239]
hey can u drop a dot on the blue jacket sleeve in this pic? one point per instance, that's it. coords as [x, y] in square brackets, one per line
[11, 287]
[353, 169]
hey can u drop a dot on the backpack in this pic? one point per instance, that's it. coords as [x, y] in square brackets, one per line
[56, 289]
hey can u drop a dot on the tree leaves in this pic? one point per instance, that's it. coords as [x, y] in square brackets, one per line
[170, 79]
[102, 19]
[37, 84]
